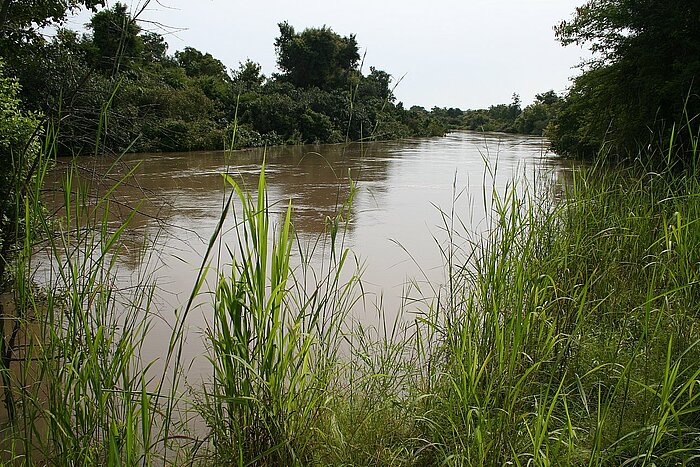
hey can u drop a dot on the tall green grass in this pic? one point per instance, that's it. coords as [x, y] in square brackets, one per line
[274, 342]
[565, 334]
[77, 390]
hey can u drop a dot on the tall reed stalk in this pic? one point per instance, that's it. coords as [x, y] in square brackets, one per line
[83, 394]
[566, 334]
[274, 342]
[570, 336]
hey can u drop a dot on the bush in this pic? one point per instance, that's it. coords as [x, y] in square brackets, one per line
[18, 150]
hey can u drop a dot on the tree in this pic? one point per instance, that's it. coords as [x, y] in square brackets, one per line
[376, 84]
[315, 57]
[503, 116]
[20, 20]
[21, 41]
[548, 98]
[154, 47]
[115, 37]
[198, 64]
[536, 117]
[645, 74]
[18, 147]
[248, 77]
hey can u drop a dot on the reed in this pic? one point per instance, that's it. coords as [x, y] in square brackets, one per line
[571, 335]
[274, 341]
[565, 334]
[79, 392]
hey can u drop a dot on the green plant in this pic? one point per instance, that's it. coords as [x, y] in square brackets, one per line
[273, 343]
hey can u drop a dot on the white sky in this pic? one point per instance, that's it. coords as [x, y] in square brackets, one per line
[466, 54]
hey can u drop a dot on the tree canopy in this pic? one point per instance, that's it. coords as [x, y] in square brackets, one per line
[644, 77]
[152, 101]
[315, 57]
[115, 38]
[196, 63]
[20, 20]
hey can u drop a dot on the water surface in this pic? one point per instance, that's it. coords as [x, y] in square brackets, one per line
[397, 224]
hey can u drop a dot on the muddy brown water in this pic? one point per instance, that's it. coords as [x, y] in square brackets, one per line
[397, 224]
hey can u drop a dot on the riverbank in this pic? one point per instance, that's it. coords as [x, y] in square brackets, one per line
[566, 335]
[570, 337]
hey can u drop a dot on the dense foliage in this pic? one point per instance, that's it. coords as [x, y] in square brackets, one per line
[316, 57]
[644, 80]
[512, 118]
[18, 149]
[118, 82]
[21, 20]
[116, 88]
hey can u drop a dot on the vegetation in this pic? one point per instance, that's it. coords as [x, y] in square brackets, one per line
[21, 20]
[19, 148]
[189, 101]
[642, 83]
[20, 167]
[566, 334]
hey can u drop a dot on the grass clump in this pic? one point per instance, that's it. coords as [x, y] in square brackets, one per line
[565, 334]
[570, 336]
[274, 342]
[77, 390]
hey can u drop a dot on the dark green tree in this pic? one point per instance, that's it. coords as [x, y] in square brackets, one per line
[21, 20]
[18, 148]
[248, 77]
[535, 118]
[479, 120]
[502, 117]
[154, 47]
[449, 117]
[645, 75]
[197, 64]
[549, 98]
[377, 84]
[115, 39]
[316, 57]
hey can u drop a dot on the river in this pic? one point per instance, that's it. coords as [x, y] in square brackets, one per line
[397, 224]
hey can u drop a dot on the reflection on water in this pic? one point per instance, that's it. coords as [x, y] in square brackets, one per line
[396, 221]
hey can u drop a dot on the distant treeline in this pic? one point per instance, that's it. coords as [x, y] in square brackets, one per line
[511, 118]
[116, 88]
[117, 81]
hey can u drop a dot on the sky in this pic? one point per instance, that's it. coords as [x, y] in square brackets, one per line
[449, 53]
